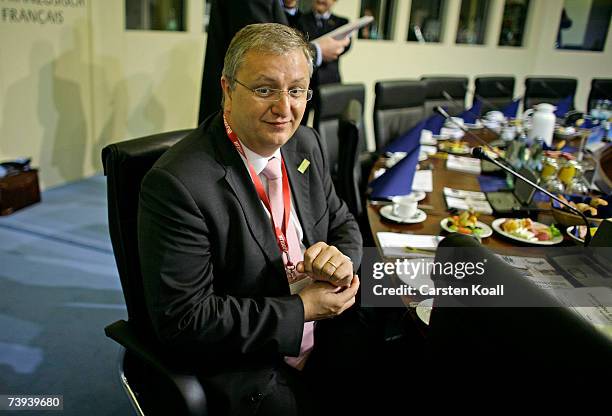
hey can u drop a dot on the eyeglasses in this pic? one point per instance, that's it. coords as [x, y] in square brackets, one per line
[273, 94]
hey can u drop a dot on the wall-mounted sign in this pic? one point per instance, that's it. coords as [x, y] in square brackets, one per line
[41, 12]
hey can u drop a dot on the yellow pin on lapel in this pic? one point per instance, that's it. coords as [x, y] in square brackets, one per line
[304, 165]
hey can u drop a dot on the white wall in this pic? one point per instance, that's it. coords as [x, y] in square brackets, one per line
[67, 90]
[373, 60]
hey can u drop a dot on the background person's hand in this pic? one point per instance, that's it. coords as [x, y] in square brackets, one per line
[331, 48]
[322, 300]
[327, 263]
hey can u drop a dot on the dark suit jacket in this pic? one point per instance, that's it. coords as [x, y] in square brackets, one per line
[227, 17]
[328, 72]
[214, 279]
[293, 19]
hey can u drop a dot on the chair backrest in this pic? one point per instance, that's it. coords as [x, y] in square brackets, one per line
[349, 170]
[497, 92]
[601, 89]
[125, 164]
[511, 328]
[399, 105]
[331, 102]
[437, 89]
[548, 90]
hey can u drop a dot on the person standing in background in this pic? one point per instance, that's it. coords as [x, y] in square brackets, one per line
[227, 17]
[314, 24]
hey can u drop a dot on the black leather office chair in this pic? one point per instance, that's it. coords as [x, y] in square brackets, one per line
[348, 167]
[155, 381]
[331, 102]
[445, 91]
[399, 105]
[601, 89]
[548, 90]
[497, 92]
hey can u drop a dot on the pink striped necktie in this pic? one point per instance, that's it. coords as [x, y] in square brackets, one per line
[273, 174]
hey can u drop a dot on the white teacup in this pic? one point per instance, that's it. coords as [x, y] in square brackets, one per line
[404, 206]
[495, 116]
[426, 136]
[454, 122]
[508, 133]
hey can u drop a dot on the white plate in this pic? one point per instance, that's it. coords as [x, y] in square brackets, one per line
[474, 126]
[422, 156]
[387, 212]
[497, 227]
[486, 230]
[570, 232]
[423, 310]
[416, 195]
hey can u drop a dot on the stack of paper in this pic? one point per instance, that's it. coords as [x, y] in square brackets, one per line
[408, 245]
[423, 181]
[463, 164]
[467, 200]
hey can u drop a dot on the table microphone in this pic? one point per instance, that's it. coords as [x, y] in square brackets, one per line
[455, 102]
[447, 117]
[479, 153]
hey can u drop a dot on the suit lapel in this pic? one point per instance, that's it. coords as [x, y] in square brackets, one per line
[239, 181]
[300, 186]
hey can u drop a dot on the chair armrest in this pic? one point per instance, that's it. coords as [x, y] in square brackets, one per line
[187, 385]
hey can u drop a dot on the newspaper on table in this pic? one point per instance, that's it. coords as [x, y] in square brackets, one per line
[467, 200]
[408, 245]
[463, 164]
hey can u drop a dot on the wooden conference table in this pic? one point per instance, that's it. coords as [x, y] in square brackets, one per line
[434, 204]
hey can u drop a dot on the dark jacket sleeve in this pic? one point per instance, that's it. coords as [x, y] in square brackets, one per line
[175, 250]
[256, 11]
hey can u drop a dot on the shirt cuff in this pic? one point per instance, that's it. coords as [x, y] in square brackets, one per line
[319, 57]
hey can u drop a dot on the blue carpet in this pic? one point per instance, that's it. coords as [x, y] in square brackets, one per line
[59, 289]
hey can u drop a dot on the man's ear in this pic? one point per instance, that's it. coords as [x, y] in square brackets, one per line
[227, 94]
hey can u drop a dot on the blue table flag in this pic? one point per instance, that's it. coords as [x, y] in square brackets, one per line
[408, 141]
[511, 109]
[434, 123]
[470, 115]
[563, 106]
[398, 179]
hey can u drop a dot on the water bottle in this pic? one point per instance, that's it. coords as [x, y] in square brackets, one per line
[536, 151]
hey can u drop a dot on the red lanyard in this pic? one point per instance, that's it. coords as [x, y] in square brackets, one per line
[281, 234]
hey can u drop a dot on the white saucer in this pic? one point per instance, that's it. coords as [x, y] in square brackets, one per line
[416, 195]
[387, 212]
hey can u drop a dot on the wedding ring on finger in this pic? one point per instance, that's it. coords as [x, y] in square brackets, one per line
[329, 262]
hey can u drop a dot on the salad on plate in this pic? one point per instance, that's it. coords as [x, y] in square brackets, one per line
[466, 223]
[528, 230]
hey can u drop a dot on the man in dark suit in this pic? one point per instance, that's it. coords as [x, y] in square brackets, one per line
[314, 24]
[318, 22]
[236, 267]
[227, 17]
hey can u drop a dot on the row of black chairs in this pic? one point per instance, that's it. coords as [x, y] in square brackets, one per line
[153, 380]
[401, 104]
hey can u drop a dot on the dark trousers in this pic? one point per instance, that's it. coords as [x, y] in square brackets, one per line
[344, 370]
